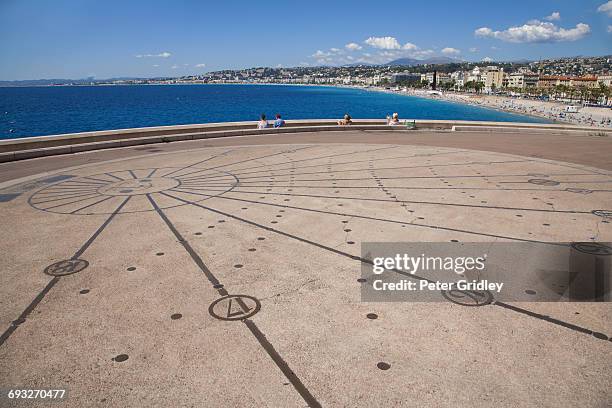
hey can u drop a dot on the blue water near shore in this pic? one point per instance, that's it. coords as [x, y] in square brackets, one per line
[38, 111]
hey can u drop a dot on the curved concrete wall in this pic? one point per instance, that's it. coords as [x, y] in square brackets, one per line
[40, 146]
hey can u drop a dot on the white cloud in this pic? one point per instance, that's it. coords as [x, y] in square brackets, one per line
[610, 28]
[320, 54]
[450, 51]
[536, 32]
[353, 46]
[409, 46]
[606, 8]
[494, 48]
[385, 43]
[473, 49]
[174, 66]
[164, 54]
[487, 59]
[200, 65]
[555, 16]
[335, 50]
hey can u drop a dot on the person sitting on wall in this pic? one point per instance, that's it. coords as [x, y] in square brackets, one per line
[346, 121]
[394, 120]
[279, 122]
[263, 123]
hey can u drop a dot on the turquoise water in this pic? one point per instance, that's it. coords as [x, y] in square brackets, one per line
[38, 111]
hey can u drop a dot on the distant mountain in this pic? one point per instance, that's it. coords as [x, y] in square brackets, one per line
[412, 61]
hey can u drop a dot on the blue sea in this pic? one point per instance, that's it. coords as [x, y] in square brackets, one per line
[35, 111]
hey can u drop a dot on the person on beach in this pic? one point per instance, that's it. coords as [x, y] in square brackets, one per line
[279, 122]
[346, 120]
[263, 123]
[394, 120]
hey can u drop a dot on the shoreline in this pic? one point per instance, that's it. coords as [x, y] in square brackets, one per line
[595, 117]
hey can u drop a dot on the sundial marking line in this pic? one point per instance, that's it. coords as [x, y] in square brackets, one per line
[376, 219]
[92, 178]
[355, 257]
[133, 174]
[194, 255]
[382, 168]
[77, 201]
[312, 158]
[7, 333]
[434, 177]
[546, 318]
[261, 338]
[91, 205]
[405, 201]
[79, 181]
[338, 164]
[152, 172]
[254, 158]
[114, 176]
[64, 195]
[282, 364]
[68, 197]
[430, 188]
[199, 162]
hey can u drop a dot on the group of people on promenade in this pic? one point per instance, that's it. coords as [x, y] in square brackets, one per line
[392, 120]
[263, 122]
[346, 120]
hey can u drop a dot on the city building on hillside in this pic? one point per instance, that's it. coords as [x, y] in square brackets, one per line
[585, 81]
[523, 80]
[459, 78]
[475, 75]
[493, 78]
[605, 79]
[405, 77]
[550, 81]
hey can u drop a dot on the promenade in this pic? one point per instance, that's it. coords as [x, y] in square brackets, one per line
[224, 271]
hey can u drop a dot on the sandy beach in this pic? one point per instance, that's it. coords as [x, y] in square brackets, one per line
[586, 116]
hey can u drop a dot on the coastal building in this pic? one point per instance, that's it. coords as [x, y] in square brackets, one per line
[405, 77]
[523, 80]
[605, 79]
[459, 78]
[585, 81]
[441, 78]
[475, 75]
[550, 81]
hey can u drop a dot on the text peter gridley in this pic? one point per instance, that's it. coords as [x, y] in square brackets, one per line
[410, 285]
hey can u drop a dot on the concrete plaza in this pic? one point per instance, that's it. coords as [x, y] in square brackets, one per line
[224, 272]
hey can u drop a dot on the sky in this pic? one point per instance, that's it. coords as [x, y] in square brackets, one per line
[132, 38]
